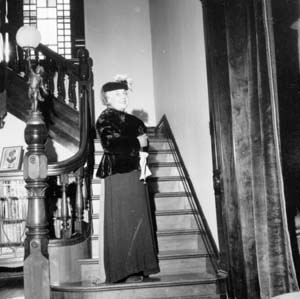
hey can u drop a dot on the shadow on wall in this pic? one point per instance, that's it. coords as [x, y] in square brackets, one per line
[50, 151]
[141, 114]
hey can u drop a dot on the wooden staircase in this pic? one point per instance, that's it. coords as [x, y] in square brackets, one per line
[62, 120]
[187, 265]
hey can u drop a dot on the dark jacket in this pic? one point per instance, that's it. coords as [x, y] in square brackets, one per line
[118, 133]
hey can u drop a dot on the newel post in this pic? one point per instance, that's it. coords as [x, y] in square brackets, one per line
[36, 259]
[36, 262]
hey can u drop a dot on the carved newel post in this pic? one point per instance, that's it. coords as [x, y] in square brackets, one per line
[36, 262]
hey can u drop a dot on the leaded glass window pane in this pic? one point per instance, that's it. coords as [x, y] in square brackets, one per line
[49, 37]
[52, 18]
[42, 3]
[52, 3]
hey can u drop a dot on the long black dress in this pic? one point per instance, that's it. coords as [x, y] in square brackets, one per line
[130, 245]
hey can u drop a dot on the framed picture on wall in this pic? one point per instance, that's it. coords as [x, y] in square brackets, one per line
[11, 158]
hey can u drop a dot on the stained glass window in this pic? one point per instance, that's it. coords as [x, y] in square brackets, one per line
[52, 18]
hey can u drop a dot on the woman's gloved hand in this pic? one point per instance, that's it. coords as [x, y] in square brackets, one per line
[143, 140]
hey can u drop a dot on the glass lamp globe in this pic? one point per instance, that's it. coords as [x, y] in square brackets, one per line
[28, 37]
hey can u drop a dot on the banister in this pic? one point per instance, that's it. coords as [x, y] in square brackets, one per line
[79, 158]
[69, 64]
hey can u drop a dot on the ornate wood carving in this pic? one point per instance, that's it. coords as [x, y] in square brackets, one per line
[79, 204]
[36, 263]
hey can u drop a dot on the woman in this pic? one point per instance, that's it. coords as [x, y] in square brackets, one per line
[130, 251]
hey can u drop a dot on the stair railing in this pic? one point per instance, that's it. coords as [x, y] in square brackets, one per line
[209, 242]
[69, 82]
[72, 85]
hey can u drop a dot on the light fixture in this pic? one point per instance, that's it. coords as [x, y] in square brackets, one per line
[28, 37]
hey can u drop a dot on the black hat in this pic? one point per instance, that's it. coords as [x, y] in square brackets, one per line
[109, 86]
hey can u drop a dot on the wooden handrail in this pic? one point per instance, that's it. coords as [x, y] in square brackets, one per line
[69, 64]
[79, 158]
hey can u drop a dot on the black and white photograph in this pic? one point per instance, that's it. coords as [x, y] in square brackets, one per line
[149, 149]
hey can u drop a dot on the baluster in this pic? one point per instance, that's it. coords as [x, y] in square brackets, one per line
[55, 84]
[50, 73]
[66, 230]
[85, 190]
[79, 204]
[57, 219]
[61, 84]
[84, 64]
[87, 182]
[72, 91]
[86, 77]
[3, 96]
[66, 86]
[36, 56]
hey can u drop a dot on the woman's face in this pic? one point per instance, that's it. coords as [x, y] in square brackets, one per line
[117, 99]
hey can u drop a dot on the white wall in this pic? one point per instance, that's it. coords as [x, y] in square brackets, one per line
[13, 135]
[119, 41]
[180, 86]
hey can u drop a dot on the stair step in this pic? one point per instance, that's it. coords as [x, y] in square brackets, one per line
[155, 142]
[162, 195]
[156, 184]
[180, 202]
[157, 169]
[169, 240]
[216, 296]
[170, 262]
[159, 143]
[172, 202]
[160, 156]
[180, 239]
[177, 219]
[164, 169]
[158, 286]
[164, 155]
[185, 261]
[96, 187]
[165, 184]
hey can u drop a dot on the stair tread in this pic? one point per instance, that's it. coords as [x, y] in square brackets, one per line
[182, 253]
[151, 151]
[152, 138]
[163, 255]
[155, 164]
[174, 212]
[169, 232]
[171, 194]
[187, 231]
[152, 179]
[154, 281]
[163, 164]
[162, 213]
[159, 195]
[164, 178]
